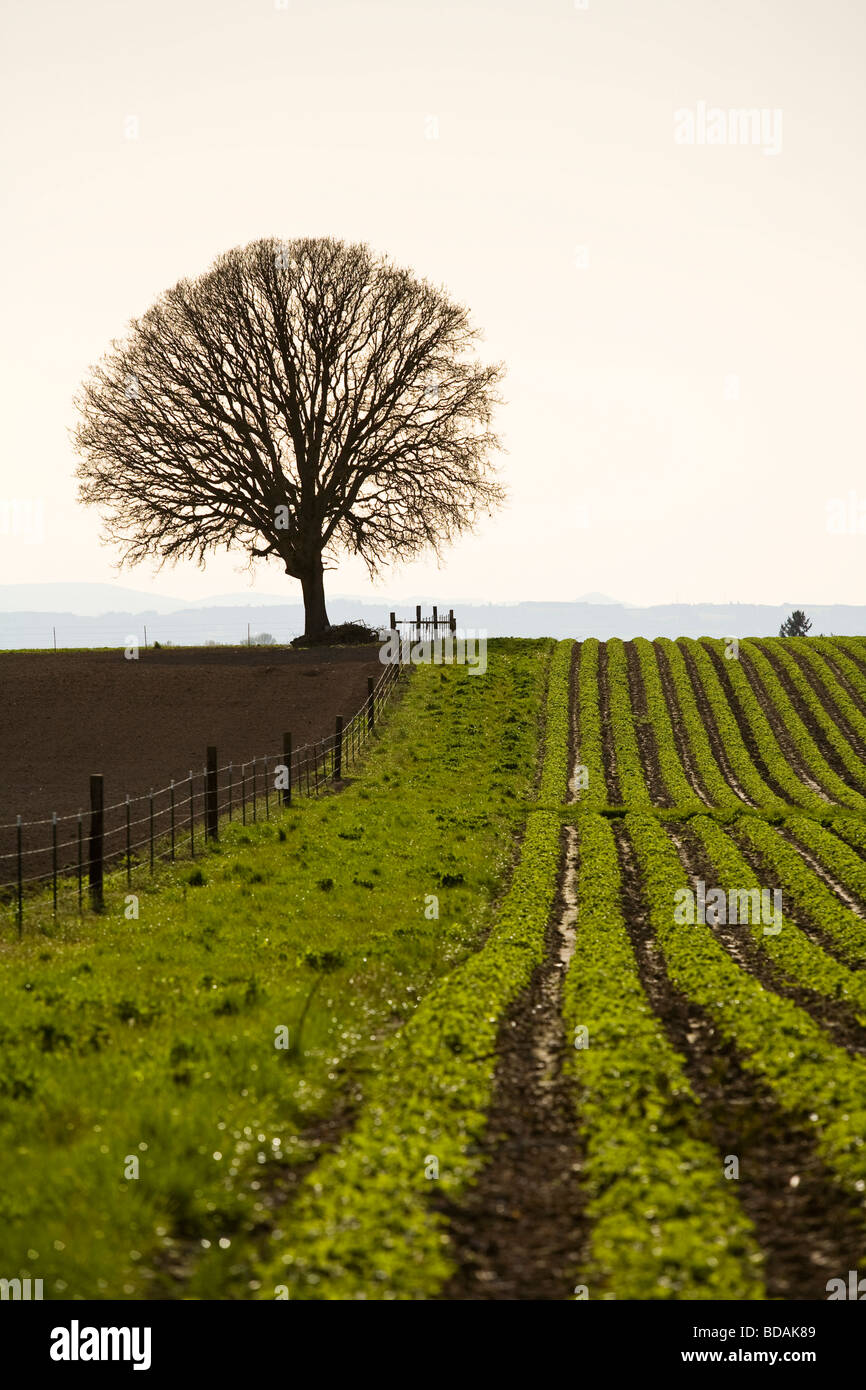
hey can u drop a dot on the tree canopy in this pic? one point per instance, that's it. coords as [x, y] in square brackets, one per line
[299, 400]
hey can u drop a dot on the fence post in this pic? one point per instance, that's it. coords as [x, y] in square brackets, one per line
[128, 845]
[171, 807]
[338, 749]
[212, 803]
[393, 617]
[287, 759]
[452, 620]
[191, 818]
[371, 715]
[231, 789]
[151, 829]
[80, 863]
[435, 619]
[254, 790]
[20, 875]
[418, 619]
[97, 840]
[54, 859]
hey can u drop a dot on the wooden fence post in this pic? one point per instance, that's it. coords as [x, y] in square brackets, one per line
[54, 860]
[19, 827]
[452, 620]
[80, 862]
[393, 617]
[212, 805]
[418, 619]
[338, 749]
[371, 705]
[287, 759]
[97, 841]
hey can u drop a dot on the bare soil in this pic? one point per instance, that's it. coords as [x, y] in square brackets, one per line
[143, 722]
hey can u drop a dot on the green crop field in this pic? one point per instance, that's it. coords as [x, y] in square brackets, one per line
[561, 995]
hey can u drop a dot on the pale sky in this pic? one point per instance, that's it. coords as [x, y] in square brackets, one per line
[682, 324]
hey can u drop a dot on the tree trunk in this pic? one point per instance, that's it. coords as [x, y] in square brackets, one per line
[315, 614]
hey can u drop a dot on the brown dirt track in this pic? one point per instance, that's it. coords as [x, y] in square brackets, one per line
[140, 723]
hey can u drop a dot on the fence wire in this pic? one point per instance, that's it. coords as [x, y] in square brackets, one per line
[168, 821]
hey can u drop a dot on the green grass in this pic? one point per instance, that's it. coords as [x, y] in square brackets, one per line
[155, 1038]
[364, 1225]
[665, 1223]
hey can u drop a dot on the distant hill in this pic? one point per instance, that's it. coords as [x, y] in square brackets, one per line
[121, 614]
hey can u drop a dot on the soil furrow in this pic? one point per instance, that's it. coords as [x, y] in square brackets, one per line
[614, 792]
[845, 896]
[831, 1014]
[678, 728]
[816, 733]
[709, 722]
[521, 1232]
[787, 750]
[644, 731]
[827, 700]
[808, 1229]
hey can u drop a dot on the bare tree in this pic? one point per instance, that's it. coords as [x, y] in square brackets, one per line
[300, 399]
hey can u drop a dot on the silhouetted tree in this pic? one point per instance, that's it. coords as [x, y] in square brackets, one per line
[797, 625]
[299, 399]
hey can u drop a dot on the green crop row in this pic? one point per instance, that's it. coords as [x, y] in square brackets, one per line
[775, 648]
[835, 855]
[799, 957]
[363, 1225]
[852, 649]
[589, 726]
[800, 736]
[720, 794]
[219, 1030]
[815, 1082]
[765, 739]
[842, 653]
[736, 752]
[834, 687]
[675, 780]
[632, 783]
[664, 1220]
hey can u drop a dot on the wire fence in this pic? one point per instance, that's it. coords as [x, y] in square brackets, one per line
[70, 857]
